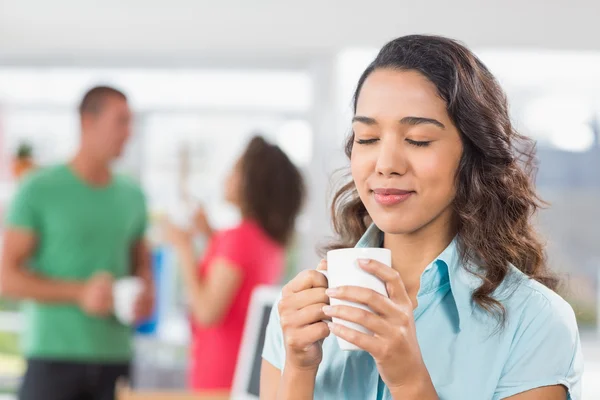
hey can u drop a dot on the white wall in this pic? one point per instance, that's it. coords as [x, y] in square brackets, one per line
[186, 31]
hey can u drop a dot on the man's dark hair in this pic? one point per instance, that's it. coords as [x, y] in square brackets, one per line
[94, 99]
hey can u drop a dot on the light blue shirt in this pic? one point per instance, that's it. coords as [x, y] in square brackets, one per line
[466, 353]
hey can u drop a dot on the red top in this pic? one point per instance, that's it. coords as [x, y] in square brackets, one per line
[261, 260]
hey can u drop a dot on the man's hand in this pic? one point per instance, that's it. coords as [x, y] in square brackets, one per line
[96, 296]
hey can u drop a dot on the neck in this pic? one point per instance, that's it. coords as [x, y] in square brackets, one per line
[90, 169]
[413, 252]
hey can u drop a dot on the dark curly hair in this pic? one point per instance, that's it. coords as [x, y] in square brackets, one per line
[495, 196]
[272, 189]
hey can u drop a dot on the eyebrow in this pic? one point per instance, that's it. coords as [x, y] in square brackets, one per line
[406, 120]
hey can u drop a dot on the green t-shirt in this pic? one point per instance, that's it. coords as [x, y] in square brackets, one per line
[81, 230]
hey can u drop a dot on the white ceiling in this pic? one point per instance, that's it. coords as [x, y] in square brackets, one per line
[188, 31]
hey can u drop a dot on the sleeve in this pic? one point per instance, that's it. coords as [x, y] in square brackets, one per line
[234, 246]
[274, 349]
[23, 211]
[546, 351]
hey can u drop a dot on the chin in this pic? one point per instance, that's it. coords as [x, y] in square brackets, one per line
[396, 224]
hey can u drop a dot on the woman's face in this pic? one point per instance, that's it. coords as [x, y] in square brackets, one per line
[233, 185]
[406, 152]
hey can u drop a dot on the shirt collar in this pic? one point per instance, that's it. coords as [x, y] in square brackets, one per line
[462, 283]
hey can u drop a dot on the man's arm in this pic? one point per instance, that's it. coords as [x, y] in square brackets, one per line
[17, 281]
[141, 260]
[142, 268]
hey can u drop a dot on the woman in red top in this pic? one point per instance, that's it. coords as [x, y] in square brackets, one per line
[268, 189]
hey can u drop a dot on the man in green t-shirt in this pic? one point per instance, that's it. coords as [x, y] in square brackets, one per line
[71, 231]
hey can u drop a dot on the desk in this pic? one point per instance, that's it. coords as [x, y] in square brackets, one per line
[124, 392]
[171, 396]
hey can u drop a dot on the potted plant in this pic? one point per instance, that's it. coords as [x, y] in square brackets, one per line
[23, 160]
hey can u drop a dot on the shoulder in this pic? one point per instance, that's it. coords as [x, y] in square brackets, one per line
[127, 182]
[235, 237]
[246, 242]
[542, 345]
[129, 185]
[528, 299]
[523, 298]
[43, 178]
[245, 230]
[537, 317]
[528, 304]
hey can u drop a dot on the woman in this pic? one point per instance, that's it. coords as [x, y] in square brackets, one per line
[445, 180]
[268, 189]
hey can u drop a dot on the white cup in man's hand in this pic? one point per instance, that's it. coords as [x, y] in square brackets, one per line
[343, 270]
[125, 294]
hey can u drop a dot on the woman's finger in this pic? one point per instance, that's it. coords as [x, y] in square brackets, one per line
[306, 316]
[363, 341]
[367, 319]
[305, 298]
[392, 279]
[322, 265]
[305, 280]
[375, 301]
[308, 335]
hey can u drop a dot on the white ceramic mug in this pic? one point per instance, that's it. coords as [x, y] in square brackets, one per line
[343, 270]
[125, 293]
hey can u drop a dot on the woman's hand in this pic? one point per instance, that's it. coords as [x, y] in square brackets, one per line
[181, 240]
[394, 344]
[177, 237]
[301, 315]
[201, 224]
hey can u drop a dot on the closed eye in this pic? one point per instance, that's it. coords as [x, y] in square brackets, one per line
[366, 141]
[418, 143]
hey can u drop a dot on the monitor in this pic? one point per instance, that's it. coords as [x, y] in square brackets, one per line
[246, 380]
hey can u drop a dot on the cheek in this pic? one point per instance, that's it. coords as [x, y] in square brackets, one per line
[436, 173]
[117, 142]
[361, 167]
[228, 184]
[105, 141]
[232, 185]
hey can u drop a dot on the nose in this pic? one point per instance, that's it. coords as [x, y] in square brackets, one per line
[391, 159]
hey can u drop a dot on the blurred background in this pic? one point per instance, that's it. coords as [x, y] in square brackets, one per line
[202, 77]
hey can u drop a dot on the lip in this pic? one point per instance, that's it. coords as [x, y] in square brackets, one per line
[391, 196]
